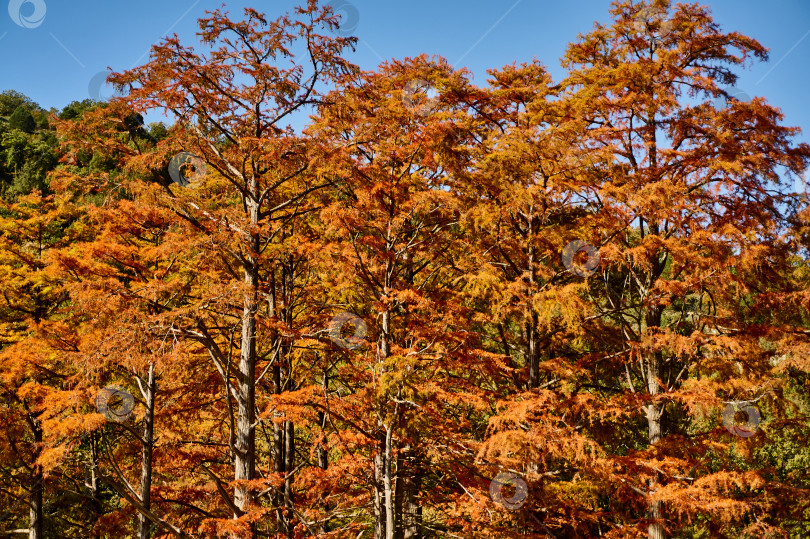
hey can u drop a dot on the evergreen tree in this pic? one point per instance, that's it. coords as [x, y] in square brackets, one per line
[23, 120]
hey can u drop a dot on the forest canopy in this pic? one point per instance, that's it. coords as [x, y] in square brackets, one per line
[527, 308]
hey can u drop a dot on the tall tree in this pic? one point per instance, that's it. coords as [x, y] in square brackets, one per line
[33, 380]
[234, 107]
[525, 192]
[392, 230]
[688, 203]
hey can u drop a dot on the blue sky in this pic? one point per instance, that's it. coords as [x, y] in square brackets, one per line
[69, 43]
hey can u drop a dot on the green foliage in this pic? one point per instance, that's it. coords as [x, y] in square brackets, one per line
[10, 100]
[27, 161]
[27, 147]
[158, 131]
[75, 109]
[22, 119]
[101, 163]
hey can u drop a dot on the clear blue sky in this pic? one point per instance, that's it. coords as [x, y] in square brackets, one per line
[70, 42]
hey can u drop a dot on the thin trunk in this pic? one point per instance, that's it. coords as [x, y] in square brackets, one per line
[653, 413]
[388, 485]
[385, 329]
[400, 480]
[323, 453]
[289, 451]
[278, 498]
[654, 410]
[144, 524]
[288, 277]
[95, 485]
[383, 493]
[35, 501]
[323, 450]
[532, 351]
[379, 491]
[531, 323]
[279, 458]
[655, 530]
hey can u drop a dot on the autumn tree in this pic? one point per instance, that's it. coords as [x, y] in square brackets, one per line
[234, 106]
[688, 206]
[569, 308]
[392, 230]
[129, 275]
[33, 380]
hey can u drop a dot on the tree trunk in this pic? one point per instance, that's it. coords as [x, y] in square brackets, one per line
[323, 453]
[245, 446]
[279, 458]
[382, 465]
[379, 490]
[288, 289]
[95, 485]
[289, 453]
[389, 487]
[400, 480]
[655, 530]
[532, 352]
[384, 513]
[245, 440]
[532, 355]
[408, 512]
[408, 481]
[323, 450]
[35, 500]
[144, 524]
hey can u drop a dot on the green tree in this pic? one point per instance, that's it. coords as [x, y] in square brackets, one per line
[158, 131]
[22, 119]
[11, 99]
[74, 109]
[25, 162]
